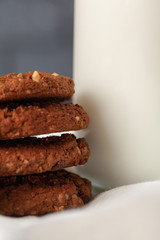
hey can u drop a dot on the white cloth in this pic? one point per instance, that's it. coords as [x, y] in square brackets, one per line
[125, 213]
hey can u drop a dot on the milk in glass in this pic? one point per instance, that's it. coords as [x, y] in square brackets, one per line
[117, 77]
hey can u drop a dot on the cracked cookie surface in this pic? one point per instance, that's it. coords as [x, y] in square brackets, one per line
[42, 193]
[37, 155]
[35, 85]
[34, 118]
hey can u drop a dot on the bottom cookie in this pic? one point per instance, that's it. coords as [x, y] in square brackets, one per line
[42, 193]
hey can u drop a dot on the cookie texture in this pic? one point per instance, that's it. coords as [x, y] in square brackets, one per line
[35, 85]
[36, 155]
[34, 118]
[42, 193]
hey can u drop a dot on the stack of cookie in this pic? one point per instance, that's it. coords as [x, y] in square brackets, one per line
[32, 179]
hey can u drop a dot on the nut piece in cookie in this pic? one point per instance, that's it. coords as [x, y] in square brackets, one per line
[35, 76]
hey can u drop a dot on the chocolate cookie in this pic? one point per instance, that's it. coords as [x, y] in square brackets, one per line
[28, 119]
[36, 155]
[35, 85]
[42, 193]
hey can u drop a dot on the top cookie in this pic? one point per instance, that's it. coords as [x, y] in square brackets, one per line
[35, 85]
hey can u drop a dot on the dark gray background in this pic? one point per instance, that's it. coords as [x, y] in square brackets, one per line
[36, 35]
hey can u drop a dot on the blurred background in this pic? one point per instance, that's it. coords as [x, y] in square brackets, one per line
[36, 35]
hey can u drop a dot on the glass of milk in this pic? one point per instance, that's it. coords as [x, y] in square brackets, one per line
[117, 76]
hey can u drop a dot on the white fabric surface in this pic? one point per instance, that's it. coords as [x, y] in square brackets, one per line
[125, 213]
